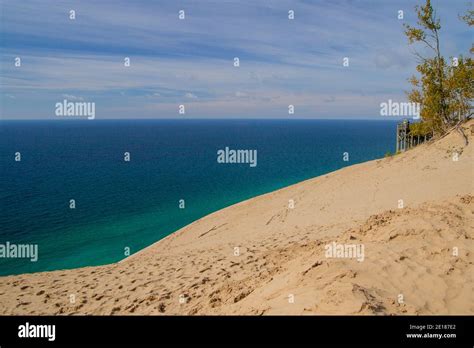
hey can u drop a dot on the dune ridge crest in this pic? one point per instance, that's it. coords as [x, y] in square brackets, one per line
[262, 257]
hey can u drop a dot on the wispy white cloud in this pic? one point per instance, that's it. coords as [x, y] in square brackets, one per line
[72, 97]
[174, 61]
[190, 96]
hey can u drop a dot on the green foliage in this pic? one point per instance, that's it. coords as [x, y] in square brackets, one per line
[444, 90]
[388, 154]
[469, 19]
[420, 129]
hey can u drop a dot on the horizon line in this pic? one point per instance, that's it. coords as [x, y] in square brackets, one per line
[392, 118]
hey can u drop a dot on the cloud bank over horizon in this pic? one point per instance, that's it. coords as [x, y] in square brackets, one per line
[190, 61]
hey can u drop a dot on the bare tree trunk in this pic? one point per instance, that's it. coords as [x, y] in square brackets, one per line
[444, 117]
[460, 130]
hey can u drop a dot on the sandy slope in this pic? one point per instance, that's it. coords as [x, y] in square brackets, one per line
[408, 251]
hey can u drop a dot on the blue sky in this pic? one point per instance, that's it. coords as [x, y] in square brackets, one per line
[190, 61]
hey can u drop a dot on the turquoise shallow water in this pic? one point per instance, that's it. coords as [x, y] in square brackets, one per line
[134, 204]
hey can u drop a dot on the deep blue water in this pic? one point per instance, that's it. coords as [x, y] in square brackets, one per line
[133, 204]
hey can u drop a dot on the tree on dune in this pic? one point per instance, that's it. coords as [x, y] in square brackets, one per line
[444, 87]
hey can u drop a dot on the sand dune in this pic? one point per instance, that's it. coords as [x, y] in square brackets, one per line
[262, 257]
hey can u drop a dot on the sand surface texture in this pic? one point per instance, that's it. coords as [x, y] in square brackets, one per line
[262, 257]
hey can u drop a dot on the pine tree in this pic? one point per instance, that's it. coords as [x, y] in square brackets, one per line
[444, 90]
